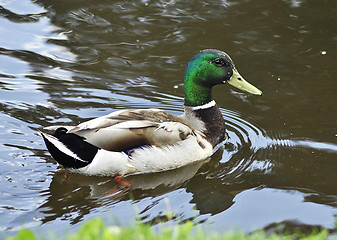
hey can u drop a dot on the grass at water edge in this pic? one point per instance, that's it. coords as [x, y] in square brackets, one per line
[96, 229]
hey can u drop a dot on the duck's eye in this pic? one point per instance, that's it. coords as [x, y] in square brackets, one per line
[218, 62]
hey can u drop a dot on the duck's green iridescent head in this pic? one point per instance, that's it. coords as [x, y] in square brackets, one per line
[207, 69]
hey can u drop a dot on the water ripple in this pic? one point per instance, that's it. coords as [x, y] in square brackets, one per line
[243, 132]
[252, 149]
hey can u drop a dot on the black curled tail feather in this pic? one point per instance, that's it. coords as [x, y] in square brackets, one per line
[69, 149]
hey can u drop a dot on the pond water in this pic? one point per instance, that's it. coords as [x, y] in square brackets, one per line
[70, 61]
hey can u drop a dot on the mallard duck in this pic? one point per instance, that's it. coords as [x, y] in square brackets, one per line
[151, 140]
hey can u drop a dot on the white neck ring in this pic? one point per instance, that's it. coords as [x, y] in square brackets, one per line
[205, 106]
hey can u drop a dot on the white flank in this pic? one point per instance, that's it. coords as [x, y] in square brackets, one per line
[205, 106]
[108, 163]
[156, 159]
[60, 146]
[149, 159]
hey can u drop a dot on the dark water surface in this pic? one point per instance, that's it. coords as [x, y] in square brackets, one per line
[69, 61]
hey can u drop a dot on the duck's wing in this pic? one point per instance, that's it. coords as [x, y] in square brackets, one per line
[128, 129]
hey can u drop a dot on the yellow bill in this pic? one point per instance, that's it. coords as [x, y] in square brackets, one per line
[237, 81]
